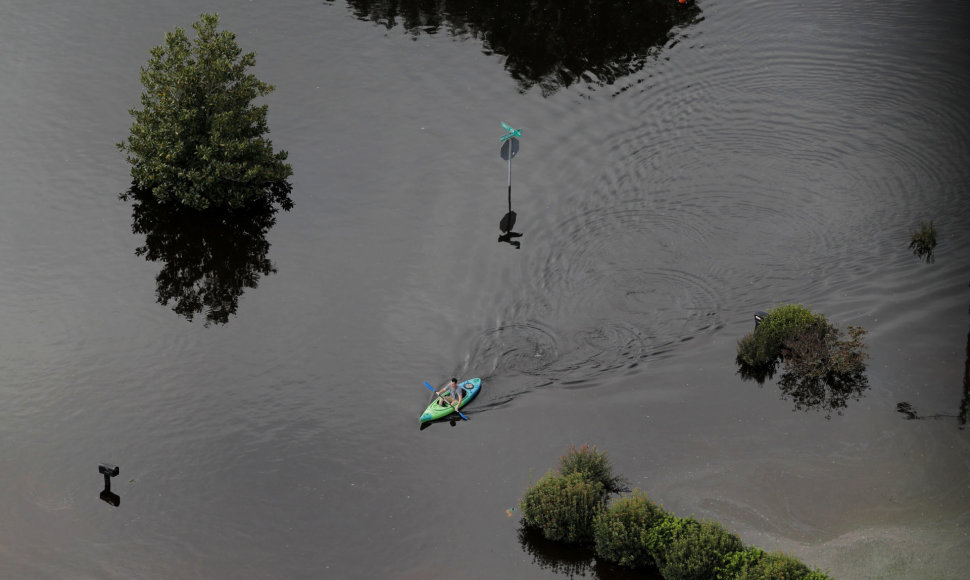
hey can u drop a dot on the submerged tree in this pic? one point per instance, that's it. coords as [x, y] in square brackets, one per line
[198, 138]
[824, 367]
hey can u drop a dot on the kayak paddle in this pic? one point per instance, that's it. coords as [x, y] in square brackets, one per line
[449, 403]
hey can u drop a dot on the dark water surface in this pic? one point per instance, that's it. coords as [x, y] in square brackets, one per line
[737, 155]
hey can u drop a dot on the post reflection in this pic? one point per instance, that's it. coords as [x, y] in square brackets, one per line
[963, 412]
[209, 258]
[505, 226]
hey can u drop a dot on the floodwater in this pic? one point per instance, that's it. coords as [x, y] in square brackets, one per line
[680, 167]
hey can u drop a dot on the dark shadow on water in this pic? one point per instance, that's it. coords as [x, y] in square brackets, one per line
[450, 420]
[572, 561]
[505, 226]
[209, 258]
[911, 413]
[547, 43]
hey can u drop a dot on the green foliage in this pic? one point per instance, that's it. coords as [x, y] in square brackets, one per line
[696, 551]
[663, 532]
[763, 346]
[755, 564]
[595, 465]
[735, 564]
[198, 139]
[563, 507]
[923, 241]
[621, 531]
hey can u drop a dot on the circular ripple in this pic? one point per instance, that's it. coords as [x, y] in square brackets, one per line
[527, 347]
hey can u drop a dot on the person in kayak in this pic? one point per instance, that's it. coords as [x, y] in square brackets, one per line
[455, 393]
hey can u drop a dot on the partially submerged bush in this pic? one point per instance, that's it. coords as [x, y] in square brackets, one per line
[569, 506]
[595, 465]
[764, 346]
[696, 551]
[621, 531]
[824, 366]
[756, 564]
[923, 240]
[562, 507]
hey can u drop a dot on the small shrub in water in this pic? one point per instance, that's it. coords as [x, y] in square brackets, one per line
[762, 347]
[562, 507]
[621, 531]
[696, 551]
[755, 564]
[595, 465]
[923, 241]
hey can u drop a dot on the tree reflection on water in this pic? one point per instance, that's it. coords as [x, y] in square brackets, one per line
[825, 393]
[572, 561]
[548, 43]
[208, 257]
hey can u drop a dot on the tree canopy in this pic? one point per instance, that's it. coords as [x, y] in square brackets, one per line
[198, 138]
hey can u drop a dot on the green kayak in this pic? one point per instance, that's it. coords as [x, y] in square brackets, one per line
[439, 409]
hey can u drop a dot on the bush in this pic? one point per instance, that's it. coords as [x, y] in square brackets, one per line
[593, 464]
[823, 366]
[696, 551]
[621, 531]
[198, 139]
[755, 564]
[763, 346]
[663, 532]
[563, 507]
[735, 564]
[923, 241]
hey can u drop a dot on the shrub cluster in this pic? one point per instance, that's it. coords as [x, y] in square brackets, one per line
[571, 505]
